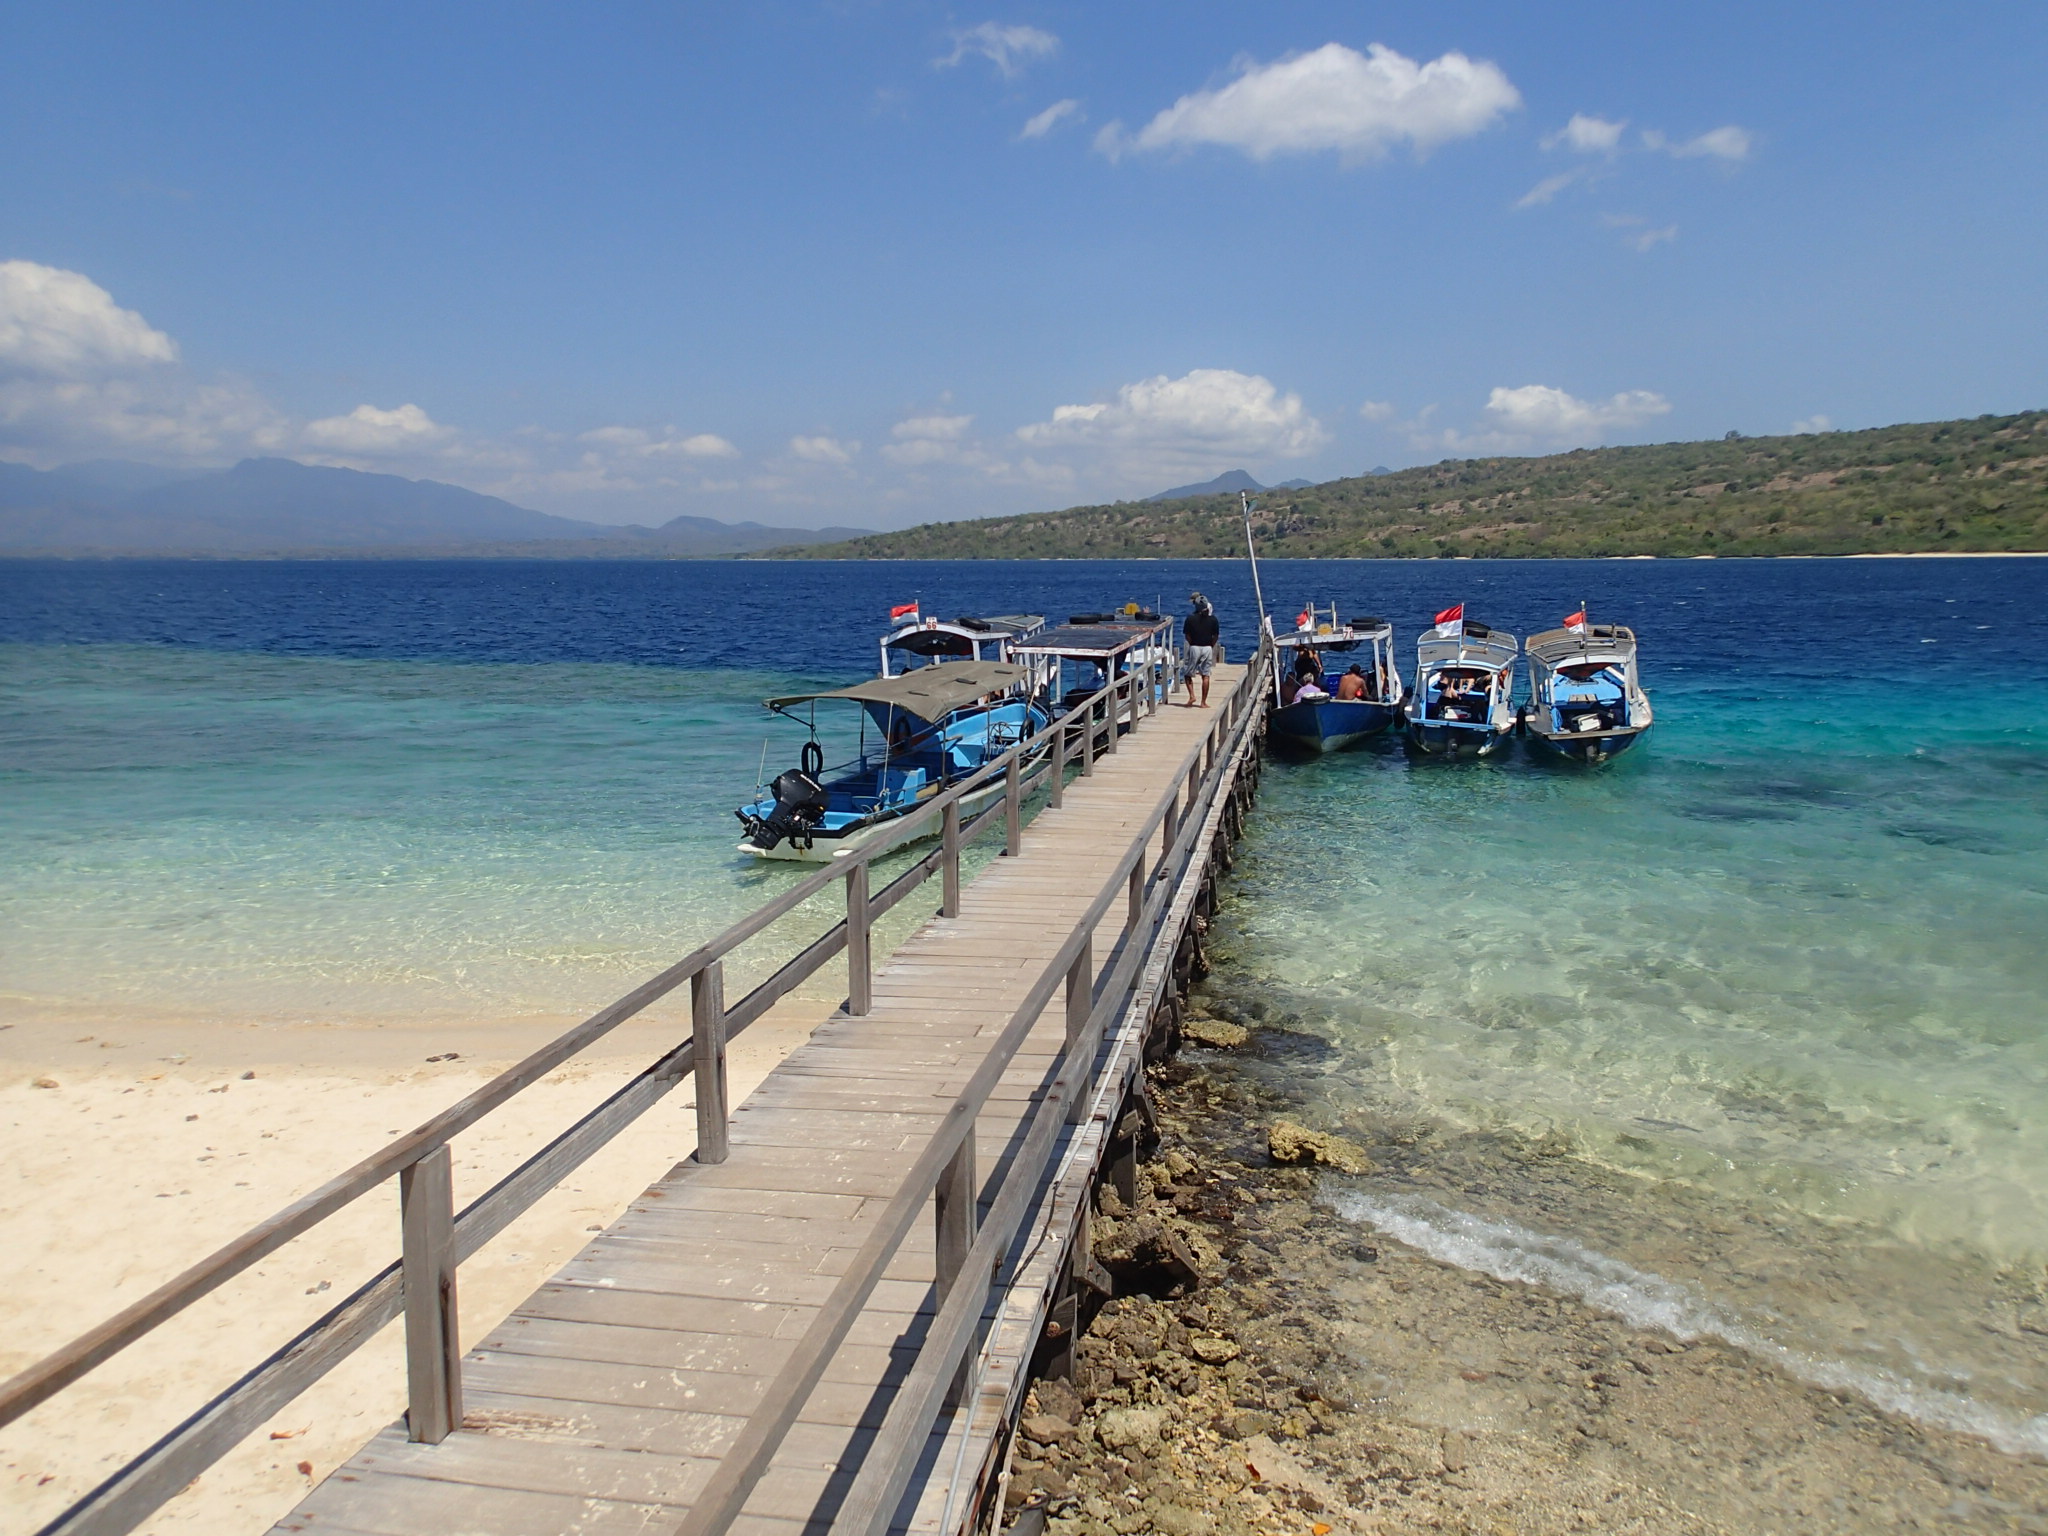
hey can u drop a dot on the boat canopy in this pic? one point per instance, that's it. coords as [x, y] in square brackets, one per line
[958, 637]
[1092, 642]
[1598, 645]
[930, 693]
[1475, 646]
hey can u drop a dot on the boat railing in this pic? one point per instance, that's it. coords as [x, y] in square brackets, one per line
[435, 1238]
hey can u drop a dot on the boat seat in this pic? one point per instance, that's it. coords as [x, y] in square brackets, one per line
[900, 784]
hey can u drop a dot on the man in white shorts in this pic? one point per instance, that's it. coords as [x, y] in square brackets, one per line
[1201, 632]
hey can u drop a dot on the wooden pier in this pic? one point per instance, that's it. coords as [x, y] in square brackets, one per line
[824, 1320]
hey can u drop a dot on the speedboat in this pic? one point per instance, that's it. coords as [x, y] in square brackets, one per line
[1586, 703]
[1323, 719]
[920, 733]
[1462, 704]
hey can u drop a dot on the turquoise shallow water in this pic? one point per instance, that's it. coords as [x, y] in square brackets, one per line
[1784, 970]
[290, 838]
[1777, 978]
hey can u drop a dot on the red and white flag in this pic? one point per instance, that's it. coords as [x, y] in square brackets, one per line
[903, 611]
[1576, 622]
[1450, 621]
[1305, 619]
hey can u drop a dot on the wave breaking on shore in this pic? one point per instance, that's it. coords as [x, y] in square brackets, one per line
[1514, 1253]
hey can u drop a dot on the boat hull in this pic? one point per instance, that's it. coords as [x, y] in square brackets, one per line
[881, 835]
[1587, 747]
[1328, 725]
[1447, 739]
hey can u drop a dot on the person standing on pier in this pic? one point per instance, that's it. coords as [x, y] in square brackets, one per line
[1201, 632]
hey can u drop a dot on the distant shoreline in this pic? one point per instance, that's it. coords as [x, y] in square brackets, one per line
[388, 557]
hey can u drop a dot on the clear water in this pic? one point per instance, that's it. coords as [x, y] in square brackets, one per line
[1782, 969]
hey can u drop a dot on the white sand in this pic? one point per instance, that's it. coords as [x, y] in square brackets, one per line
[153, 1150]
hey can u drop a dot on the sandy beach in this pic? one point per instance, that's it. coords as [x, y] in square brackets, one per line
[133, 1148]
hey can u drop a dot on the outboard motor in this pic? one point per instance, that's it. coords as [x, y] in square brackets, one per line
[799, 806]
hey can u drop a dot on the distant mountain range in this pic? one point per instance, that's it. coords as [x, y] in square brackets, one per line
[1229, 480]
[278, 506]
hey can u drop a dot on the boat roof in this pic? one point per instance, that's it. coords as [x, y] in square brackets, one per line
[1474, 645]
[994, 624]
[929, 692]
[1599, 643]
[1088, 641]
[1349, 632]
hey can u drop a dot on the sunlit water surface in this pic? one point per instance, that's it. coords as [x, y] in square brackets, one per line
[1783, 967]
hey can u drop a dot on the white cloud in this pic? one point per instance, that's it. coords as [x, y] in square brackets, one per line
[1332, 99]
[61, 324]
[669, 443]
[1642, 236]
[824, 450]
[1377, 410]
[1050, 118]
[1588, 135]
[1008, 48]
[934, 439]
[1547, 188]
[1210, 418]
[1811, 424]
[1725, 143]
[380, 433]
[1538, 410]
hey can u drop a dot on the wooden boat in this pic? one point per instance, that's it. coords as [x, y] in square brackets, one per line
[914, 640]
[1323, 648]
[1462, 704]
[1586, 703]
[920, 732]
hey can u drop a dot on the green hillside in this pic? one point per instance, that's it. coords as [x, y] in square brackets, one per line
[1954, 485]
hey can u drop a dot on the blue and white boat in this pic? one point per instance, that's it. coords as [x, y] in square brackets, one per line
[1338, 682]
[916, 641]
[1462, 704]
[1586, 702]
[920, 732]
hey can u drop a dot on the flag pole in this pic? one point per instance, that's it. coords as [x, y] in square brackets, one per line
[1251, 550]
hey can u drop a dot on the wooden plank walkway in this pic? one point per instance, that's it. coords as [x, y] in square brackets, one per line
[604, 1403]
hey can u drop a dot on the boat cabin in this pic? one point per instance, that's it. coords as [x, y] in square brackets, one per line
[1323, 648]
[922, 642]
[1464, 678]
[1584, 680]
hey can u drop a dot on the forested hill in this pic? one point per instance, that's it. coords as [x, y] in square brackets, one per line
[1980, 484]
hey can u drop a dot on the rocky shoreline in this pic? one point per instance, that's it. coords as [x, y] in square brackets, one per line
[1269, 1366]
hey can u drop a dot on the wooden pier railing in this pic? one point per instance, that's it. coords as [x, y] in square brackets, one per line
[435, 1239]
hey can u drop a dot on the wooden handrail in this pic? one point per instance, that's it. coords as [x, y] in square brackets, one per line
[132, 1493]
[747, 1459]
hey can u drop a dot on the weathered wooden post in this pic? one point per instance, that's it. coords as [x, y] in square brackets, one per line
[1080, 1004]
[707, 1037]
[433, 1350]
[1013, 807]
[949, 861]
[860, 983]
[1059, 766]
[954, 1202]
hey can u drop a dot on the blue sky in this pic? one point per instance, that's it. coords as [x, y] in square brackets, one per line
[805, 263]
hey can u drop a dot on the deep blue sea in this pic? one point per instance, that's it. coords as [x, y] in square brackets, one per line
[1782, 970]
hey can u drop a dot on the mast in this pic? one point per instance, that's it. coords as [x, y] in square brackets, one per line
[1244, 501]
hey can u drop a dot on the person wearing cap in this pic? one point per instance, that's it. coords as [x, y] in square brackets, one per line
[1201, 632]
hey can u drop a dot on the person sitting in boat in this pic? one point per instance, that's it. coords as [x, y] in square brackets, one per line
[1351, 686]
[1309, 689]
[1454, 695]
[1290, 689]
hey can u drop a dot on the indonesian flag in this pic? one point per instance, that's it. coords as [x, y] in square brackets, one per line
[1450, 621]
[1576, 622]
[903, 611]
[1304, 619]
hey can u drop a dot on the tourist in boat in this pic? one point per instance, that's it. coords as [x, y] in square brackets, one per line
[1309, 689]
[1352, 684]
[1201, 631]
